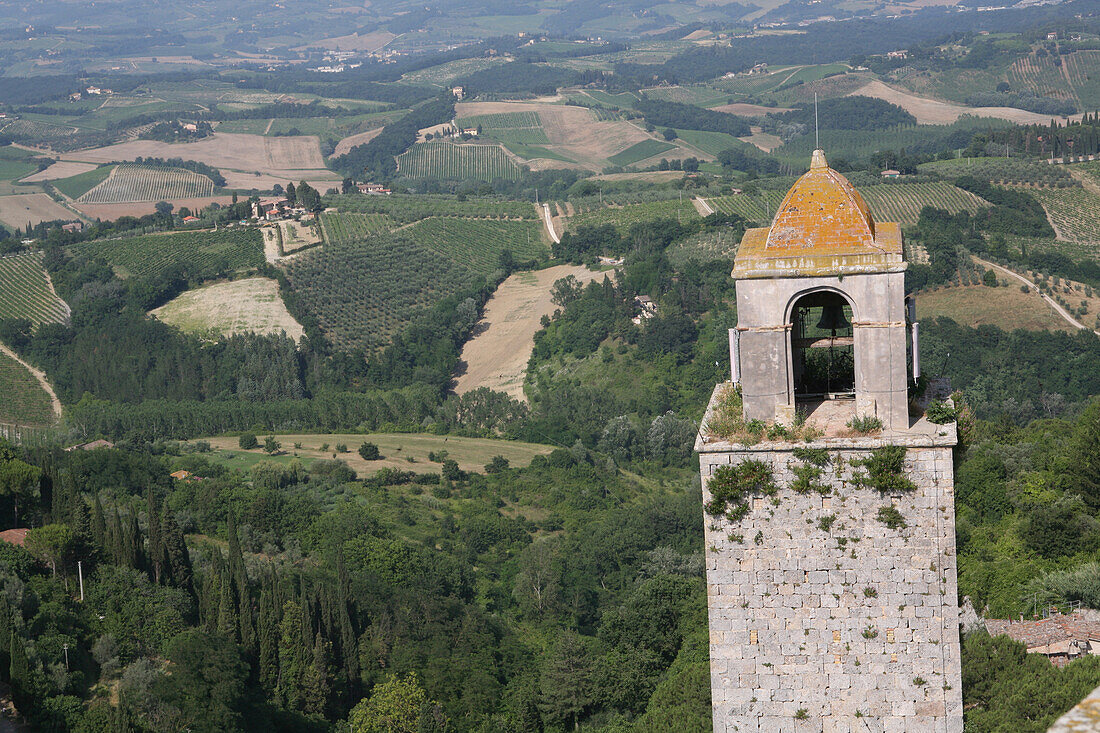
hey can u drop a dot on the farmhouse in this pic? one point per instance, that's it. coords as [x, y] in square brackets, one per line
[459, 93]
[898, 55]
[73, 226]
[1060, 638]
[270, 209]
[890, 173]
[374, 189]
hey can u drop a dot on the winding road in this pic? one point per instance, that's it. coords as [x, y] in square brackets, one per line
[1053, 303]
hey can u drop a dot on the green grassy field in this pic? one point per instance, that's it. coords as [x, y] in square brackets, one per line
[640, 151]
[978, 305]
[471, 454]
[25, 292]
[24, 402]
[710, 143]
[15, 163]
[76, 186]
[408, 208]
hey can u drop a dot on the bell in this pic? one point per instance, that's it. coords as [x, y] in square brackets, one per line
[832, 318]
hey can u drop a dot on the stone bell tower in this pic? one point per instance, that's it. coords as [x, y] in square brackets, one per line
[831, 574]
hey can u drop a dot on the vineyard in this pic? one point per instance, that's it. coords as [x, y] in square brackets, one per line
[25, 292]
[457, 162]
[707, 246]
[25, 402]
[343, 228]
[132, 183]
[199, 255]
[364, 291]
[39, 132]
[476, 244]
[1004, 171]
[511, 128]
[623, 217]
[407, 208]
[699, 95]
[1073, 214]
[640, 151]
[1040, 75]
[902, 202]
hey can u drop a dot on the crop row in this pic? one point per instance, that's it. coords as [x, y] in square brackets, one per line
[477, 244]
[456, 162]
[341, 228]
[24, 402]
[623, 217]
[25, 291]
[902, 202]
[365, 291]
[194, 255]
[408, 208]
[501, 121]
[1073, 213]
[1002, 170]
[138, 183]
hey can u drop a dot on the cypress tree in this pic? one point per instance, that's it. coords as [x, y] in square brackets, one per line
[268, 632]
[6, 629]
[288, 689]
[156, 550]
[228, 619]
[19, 671]
[99, 524]
[175, 553]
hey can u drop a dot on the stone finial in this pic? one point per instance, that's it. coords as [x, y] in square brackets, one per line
[818, 160]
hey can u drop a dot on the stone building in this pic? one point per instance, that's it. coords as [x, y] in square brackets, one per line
[830, 522]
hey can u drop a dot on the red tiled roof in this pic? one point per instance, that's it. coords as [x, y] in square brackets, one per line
[14, 536]
[1046, 631]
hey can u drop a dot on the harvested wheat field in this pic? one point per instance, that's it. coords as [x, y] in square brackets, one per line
[934, 112]
[247, 181]
[17, 210]
[242, 306]
[572, 131]
[273, 155]
[763, 140]
[360, 138]
[59, 170]
[496, 357]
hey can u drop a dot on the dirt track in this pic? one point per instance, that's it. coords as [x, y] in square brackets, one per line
[497, 356]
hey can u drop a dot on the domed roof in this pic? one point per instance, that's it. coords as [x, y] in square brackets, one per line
[822, 210]
[823, 227]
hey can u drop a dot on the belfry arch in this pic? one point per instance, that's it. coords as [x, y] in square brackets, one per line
[822, 346]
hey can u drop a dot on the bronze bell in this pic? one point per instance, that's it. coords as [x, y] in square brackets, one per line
[832, 318]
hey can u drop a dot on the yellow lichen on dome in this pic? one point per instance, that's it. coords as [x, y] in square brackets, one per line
[823, 211]
[823, 226]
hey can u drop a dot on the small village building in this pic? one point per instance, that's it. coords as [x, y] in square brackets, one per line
[73, 226]
[16, 536]
[890, 173]
[92, 445]
[191, 220]
[374, 189]
[1061, 638]
[459, 92]
[898, 54]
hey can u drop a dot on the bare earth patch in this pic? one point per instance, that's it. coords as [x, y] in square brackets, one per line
[297, 235]
[57, 171]
[934, 112]
[242, 306]
[497, 356]
[246, 181]
[19, 209]
[273, 155]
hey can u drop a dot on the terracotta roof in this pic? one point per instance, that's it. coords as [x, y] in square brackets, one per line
[14, 536]
[1047, 632]
[822, 227]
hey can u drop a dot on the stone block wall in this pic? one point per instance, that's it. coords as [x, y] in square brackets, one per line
[824, 619]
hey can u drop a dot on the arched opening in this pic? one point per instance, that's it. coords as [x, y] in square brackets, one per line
[822, 347]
